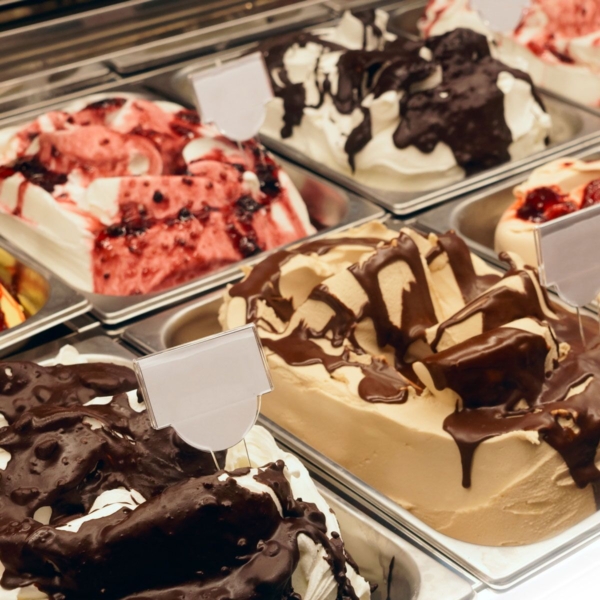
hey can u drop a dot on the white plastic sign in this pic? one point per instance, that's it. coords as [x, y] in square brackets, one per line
[208, 390]
[501, 15]
[569, 255]
[233, 96]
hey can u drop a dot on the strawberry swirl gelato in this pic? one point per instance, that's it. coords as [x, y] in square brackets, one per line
[122, 195]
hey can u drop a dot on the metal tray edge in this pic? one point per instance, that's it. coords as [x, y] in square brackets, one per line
[62, 304]
[442, 218]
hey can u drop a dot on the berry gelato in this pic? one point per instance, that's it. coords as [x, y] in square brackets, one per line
[120, 195]
[550, 192]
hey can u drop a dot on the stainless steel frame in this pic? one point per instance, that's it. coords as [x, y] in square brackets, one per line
[415, 575]
[59, 303]
[134, 36]
[29, 89]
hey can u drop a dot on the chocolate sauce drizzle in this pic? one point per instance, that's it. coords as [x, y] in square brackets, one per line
[500, 375]
[195, 537]
[34, 172]
[367, 17]
[571, 425]
[381, 382]
[450, 112]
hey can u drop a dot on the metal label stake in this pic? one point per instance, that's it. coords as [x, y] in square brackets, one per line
[581, 330]
[500, 16]
[569, 257]
[233, 95]
[247, 453]
[209, 391]
[215, 460]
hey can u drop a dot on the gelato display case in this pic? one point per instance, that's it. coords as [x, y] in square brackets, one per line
[511, 553]
[434, 427]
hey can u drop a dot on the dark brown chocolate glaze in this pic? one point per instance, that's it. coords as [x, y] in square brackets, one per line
[450, 113]
[263, 281]
[497, 306]
[195, 537]
[461, 264]
[499, 375]
[571, 426]
[508, 366]
[382, 382]
[367, 17]
[453, 111]
[292, 94]
[494, 371]
[417, 307]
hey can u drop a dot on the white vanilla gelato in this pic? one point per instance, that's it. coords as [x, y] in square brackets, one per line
[557, 41]
[359, 125]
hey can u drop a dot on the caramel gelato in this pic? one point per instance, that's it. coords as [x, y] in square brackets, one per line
[462, 394]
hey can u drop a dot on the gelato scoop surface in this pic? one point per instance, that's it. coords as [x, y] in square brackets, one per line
[557, 40]
[121, 195]
[556, 189]
[398, 114]
[96, 503]
[474, 401]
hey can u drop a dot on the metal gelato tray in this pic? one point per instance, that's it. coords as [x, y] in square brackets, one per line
[20, 91]
[151, 28]
[404, 17]
[415, 575]
[476, 216]
[330, 207]
[497, 567]
[48, 302]
[574, 127]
